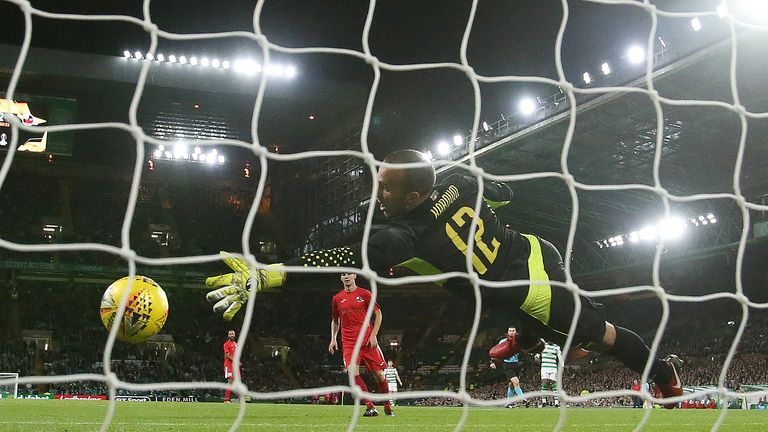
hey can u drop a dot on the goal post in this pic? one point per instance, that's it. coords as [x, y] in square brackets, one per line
[9, 385]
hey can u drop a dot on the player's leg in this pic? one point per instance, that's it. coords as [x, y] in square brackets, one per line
[517, 388]
[375, 363]
[552, 378]
[512, 371]
[594, 333]
[229, 377]
[544, 388]
[355, 370]
[392, 389]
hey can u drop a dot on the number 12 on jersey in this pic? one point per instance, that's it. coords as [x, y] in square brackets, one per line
[488, 253]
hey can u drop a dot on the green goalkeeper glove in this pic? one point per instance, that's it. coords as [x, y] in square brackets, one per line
[232, 289]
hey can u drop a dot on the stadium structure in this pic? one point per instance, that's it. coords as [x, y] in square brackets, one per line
[189, 207]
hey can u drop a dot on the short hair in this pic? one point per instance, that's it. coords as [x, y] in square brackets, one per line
[416, 179]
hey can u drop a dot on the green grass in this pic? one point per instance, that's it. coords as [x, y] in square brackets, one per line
[75, 416]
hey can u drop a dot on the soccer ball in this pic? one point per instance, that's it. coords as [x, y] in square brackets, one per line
[145, 312]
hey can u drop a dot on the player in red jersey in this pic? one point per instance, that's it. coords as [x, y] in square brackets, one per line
[348, 309]
[229, 354]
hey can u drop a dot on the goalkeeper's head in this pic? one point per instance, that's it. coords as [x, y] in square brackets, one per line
[403, 188]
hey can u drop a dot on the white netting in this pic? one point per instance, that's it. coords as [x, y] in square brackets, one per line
[471, 167]
[11, 389]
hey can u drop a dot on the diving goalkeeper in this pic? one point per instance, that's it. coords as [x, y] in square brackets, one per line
[427, 231]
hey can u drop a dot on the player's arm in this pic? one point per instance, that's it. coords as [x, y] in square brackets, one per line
[386, 248]
[397, 375]
[495, 194]
[333, 345]
[373, 341]
[335, 324]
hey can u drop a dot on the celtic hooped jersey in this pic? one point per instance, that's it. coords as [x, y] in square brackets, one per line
[434, 237]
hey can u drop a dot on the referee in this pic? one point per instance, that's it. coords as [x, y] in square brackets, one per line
[511, 368]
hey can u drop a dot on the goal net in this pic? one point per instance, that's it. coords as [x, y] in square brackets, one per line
[11, 388]
[592, 146]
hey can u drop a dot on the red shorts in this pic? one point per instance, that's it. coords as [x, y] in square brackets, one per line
[373, 357]
[228, 372]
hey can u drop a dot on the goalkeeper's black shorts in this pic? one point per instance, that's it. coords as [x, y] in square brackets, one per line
[547, 310]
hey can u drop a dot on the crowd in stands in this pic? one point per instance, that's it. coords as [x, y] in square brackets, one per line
[433, 331]
[427, 361]
[92, 208]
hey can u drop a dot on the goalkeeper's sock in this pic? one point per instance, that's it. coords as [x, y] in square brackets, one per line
[227, 394]
[509, 392]
[519, 391]
[360, 383]
[630, 349]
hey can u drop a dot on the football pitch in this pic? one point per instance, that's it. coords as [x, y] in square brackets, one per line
[75, 416]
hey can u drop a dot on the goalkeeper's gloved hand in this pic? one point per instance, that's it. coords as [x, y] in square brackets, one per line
[232, 289]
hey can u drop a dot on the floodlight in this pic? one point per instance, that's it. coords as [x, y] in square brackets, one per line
[127, 54]
[443, 148]
[696, 24]
[180, 149]
[246, 66]
[168, 155]
[290, 71]
[606, 68]
[429, 155]
[634, 236]
[648, 233]
[138, 55]
[486, 127]
[215, 63]
[161, 147]
[158, 153]
[197, 150]
[183, 60]
[527, 106]
[221, 159]
[756, 7]
[160, 57]
[636, 54]
[276, 70]
[587, 79]
[458, 140]
[171, 58]
[193, 61]
[671, 228]
[722, 10]
[204, 62]
[150, 56]
[225, 64]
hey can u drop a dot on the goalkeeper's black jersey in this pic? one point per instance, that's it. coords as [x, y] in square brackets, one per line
[434, 237]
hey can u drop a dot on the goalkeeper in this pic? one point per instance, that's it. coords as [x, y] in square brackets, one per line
[427, 231]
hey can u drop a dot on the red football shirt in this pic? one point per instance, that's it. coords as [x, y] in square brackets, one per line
[350, 308]
[229, 347]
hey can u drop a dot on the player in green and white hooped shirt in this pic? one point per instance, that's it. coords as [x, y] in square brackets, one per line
[549, 363]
